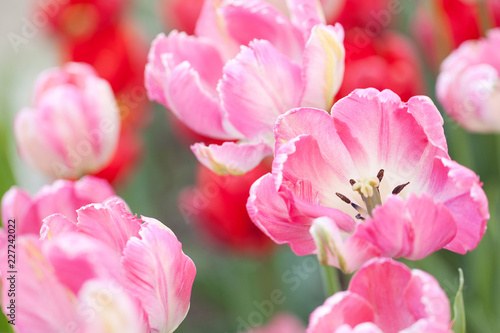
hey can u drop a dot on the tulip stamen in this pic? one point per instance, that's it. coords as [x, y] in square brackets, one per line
[359, 217]
[343, 198]
[368, 189]
[399, 188]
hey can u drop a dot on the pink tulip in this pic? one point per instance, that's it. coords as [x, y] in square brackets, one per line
[247, 64]
[183, 14]
[74, 125]
[281, 323]
[469, 84]
[63, 196]
[385, 296]
[108, 271]
[372, 179]
[71, 284]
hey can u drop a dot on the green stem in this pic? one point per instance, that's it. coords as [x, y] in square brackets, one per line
[331, 282]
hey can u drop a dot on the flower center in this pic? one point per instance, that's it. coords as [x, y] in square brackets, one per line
[368, 189]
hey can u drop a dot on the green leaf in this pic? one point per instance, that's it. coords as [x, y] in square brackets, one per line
[4, 325]
[458, 306]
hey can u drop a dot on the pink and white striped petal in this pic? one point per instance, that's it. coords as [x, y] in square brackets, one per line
[259, 85]
[323, 66]
[257, 19]
[159, 274]
[231, 158]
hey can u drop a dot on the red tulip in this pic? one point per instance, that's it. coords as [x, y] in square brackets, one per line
[181, 14]
[118, 54]
[80, 19]
[388, 61]
[217, 207]
[362, 13]
[449, 23]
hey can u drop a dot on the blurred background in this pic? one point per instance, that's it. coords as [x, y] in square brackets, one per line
[239, 272]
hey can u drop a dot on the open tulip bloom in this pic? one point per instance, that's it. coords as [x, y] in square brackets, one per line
[108, 271]
[384, 296]
[373, 178]
[247, 64]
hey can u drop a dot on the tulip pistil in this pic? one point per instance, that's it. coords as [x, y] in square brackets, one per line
[368, 189]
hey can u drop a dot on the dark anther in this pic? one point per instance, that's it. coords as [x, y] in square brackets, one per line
[399, 188]
[343, 197]
[359, 217]
[355, 206]
[380, 175]
[352, 181]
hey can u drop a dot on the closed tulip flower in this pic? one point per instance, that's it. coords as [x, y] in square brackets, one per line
[468, 85]
[217, 207]
[74, 125]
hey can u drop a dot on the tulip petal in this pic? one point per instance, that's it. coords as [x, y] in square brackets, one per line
[231, 158]
[55, 225]
[383, 282]
[347, 254]
[256, 19]
[35, 284]
[426, 326]
[412, 229]
[305, 14]
[269, 212]
[76, 259]
[342, 308]
[460, 191]
[159, 274]
[155, 74]
[425, 299]
[179, 47]
[367, 118]
[111, 223]
[319, 125]
[211, 25]
[259, 85]
[323, 178]
[323, 66]
[424, 111]
[35, 146]
[194, 105]
[361, 328]
[16, 205]
[65, 196]
[114, 311]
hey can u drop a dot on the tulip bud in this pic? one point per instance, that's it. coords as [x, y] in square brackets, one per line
[468, 85]
[74, 125]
